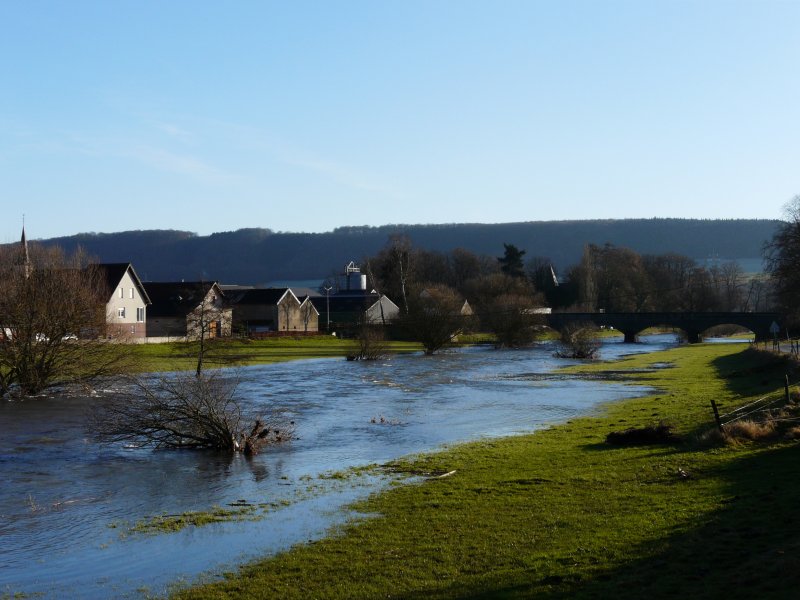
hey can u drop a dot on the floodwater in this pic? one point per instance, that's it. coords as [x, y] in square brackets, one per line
[67, 504]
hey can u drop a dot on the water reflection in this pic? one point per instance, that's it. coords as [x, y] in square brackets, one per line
[64, 500]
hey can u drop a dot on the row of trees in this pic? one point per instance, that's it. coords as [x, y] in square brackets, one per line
[505, 292]
[620, 280]
[442, 295]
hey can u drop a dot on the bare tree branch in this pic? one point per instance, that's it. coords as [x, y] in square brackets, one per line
[185, 411]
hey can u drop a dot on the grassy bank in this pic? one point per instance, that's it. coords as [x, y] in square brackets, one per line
[561, 514]
[177, 356]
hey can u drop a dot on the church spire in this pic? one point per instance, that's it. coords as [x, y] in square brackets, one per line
[25, 258]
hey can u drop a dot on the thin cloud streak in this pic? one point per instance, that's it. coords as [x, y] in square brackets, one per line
[171, 162]
[247, 137]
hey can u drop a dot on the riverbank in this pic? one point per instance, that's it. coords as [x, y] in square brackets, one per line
[179, 356]
[561, 514]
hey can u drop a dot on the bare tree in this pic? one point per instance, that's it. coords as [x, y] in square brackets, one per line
[782, 257]
[484, 292]
[370, 342]
[53, 321]
[307, 312]
[464, 265]
[732, 279]
[699, 294]
[391, 269]
[198, 411]
[202, 316]
[579, 341]
[757, 292]
[434, 318]
[185, 411]
[401, 252]
[209, 320]
[512, 318]
[613, 279]
[670, 275]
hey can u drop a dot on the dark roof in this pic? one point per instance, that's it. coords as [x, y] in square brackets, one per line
[113, 274]
[260, 296]
[235, 287]
[305, 291]
[345, 303]
[176, 299]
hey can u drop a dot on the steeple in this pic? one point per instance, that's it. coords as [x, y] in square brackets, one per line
[25, 258]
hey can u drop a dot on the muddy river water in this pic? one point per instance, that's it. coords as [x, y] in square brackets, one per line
[67, 504]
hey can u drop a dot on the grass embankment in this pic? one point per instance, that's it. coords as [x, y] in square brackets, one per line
[179, 356]
[561, 514]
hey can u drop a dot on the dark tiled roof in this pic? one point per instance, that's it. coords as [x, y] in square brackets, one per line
[305, 291]
[113, 274]
[267, 296]
[176, 299]
[345, 303]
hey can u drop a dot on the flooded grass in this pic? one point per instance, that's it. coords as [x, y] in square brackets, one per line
[560, 514]
[174, 523]
[244, 510]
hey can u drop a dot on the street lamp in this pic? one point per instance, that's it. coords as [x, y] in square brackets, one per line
[328, 305]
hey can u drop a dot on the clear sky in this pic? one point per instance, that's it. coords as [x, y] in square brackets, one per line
[305, 116]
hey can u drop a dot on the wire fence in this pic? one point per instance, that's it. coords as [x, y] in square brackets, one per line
[761, 407]
[787, 346]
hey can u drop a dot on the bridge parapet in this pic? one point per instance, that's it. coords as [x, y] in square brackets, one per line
[693, 323]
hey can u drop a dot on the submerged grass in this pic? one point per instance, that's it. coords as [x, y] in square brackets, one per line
[173, 523]
[561, 514]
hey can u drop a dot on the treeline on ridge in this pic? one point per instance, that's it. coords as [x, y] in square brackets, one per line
[257, 256]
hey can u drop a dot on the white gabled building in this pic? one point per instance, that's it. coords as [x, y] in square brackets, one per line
[126, 308]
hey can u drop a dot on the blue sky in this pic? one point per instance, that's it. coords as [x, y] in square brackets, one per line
[305, 116]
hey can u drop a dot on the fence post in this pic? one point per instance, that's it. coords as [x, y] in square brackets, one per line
[716, 414]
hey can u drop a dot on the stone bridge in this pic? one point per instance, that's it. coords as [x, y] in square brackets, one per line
[693, 323]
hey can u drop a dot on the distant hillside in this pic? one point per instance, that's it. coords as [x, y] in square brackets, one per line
[250, 256]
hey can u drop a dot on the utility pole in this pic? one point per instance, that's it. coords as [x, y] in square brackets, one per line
[328, 305]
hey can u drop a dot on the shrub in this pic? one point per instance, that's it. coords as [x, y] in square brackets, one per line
[578, 341]
[658, 434]
[187, 412]
[749, 430]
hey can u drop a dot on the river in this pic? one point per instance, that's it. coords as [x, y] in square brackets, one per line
[67, 504]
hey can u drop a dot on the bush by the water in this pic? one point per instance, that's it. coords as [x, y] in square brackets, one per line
[578, 341]
[187, 412]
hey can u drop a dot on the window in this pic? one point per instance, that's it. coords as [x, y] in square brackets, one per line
[131, 296]
[140, 314]
[121, 293]
[121, 312]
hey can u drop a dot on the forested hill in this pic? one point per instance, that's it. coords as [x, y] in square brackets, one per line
[251, 256]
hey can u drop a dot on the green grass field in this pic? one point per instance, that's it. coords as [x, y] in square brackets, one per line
[178, 356]
[562, 514]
